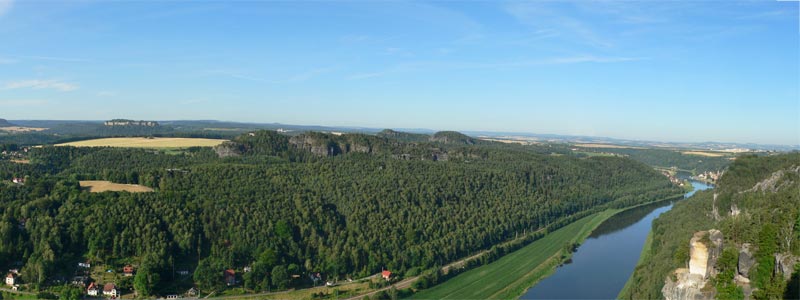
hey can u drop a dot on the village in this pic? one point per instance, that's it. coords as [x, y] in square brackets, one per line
[101, 282]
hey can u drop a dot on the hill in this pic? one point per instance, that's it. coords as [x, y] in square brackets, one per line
[344, 206]
[5, 123]
[748, 227]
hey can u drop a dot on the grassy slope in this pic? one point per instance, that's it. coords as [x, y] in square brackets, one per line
[513, 274]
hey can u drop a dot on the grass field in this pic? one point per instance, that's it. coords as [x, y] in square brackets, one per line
[703, 153]
[141, 142]
[513, 274]
[606, 146]
[99, 186]
[18, 129]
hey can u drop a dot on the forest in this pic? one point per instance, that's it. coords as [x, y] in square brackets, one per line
[284, 207]
[757, 206]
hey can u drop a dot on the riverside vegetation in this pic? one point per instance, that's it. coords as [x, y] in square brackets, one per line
[286, 207]
[750, 224]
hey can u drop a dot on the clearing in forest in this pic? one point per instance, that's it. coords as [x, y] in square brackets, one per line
[99, 186]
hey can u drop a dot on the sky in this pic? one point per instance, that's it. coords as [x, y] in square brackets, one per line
[681, 71]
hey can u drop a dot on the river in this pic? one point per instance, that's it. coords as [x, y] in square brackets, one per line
[605, 261]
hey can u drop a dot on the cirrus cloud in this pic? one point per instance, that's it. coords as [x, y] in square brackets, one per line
[40, 84]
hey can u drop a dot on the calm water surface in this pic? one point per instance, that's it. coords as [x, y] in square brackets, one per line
[603, 263]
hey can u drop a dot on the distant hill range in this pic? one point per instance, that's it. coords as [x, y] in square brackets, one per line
[4, 123]
[125, 122]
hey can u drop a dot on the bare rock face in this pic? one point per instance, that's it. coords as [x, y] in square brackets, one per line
[314, 145]
[705, 249]
[228, 149]
[746, 260]
[784, 264]
[686, 286]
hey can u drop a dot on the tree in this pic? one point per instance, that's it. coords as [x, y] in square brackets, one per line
[280, 276]
[145, 281]
[207, 276]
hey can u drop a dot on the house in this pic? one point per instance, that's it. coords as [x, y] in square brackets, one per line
[84, 265]
[230, 277]
[93, 290]
[127, 270]
[110, 289]
[247, 269]
[192, 292]
[18, 180]
[183, 272]
[11, 279]
[386, 274]
[80, 280]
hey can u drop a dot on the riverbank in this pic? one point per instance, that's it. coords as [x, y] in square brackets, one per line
[512, 274]
[646, 251]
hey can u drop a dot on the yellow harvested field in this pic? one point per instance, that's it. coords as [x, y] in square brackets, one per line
[606, 146]
[20, 161]
[99, 186]
[140, 142]
[702, 153]
[21, 129]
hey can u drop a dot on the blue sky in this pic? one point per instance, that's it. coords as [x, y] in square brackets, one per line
[656, 70]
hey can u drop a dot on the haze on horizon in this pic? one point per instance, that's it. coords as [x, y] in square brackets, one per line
[685, 71]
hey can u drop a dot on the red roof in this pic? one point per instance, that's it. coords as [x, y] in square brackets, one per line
[230, 272]
[91, 286]
[10, 275]
[386, 273]
[127, 269]
[108, 287]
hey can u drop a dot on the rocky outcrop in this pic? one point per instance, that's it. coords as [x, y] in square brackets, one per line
[746, 260]
[686, 286]
[784, 265]
[315, 145]
[705, 249]
[228, 149]
[774, 182]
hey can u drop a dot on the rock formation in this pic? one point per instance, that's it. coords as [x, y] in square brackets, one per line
[746, 260]
[705, 249]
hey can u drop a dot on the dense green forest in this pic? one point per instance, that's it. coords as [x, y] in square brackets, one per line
[757, 203]
[345, 206]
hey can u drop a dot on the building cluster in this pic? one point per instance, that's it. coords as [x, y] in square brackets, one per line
[131, 123]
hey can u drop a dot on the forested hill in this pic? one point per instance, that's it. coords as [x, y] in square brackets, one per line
[755, 214]
[5, 123]
[343, 206]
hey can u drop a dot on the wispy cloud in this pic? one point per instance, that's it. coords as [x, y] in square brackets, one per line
[5, 61]
[543, 16]
[41, 84]
[5, 6]
[512, 64]
[54, 58]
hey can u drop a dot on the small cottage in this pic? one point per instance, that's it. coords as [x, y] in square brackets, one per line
[386, 274]
[128, 270]
[93, 289]
[110, 290]
[11, 279]
[230, 277]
